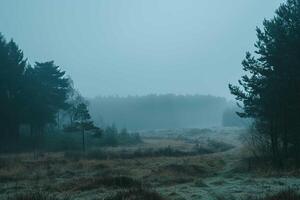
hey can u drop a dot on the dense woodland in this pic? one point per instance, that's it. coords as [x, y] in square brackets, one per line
[33, 96]
[270, 91]
[41, 110]
[29, 94]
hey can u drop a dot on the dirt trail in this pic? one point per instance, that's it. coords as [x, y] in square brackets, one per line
[230, 183]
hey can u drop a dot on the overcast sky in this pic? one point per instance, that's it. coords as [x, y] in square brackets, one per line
[137, 47]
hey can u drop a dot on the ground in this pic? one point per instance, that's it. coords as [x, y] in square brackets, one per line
[177, 164]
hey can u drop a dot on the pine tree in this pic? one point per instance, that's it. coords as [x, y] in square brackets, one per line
[47, 93]
[83, 121]
[12, 68]
[270, 90]
[74, 99]
[28, 95]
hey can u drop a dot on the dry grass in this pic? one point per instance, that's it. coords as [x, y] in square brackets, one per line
[288, 194]
[90, 183]
[55, 173]
[95, 175]
[136, 194]
[211, 147]
[39, 195]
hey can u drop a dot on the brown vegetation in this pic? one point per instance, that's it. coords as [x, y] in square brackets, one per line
[136, 194]
[288, 194]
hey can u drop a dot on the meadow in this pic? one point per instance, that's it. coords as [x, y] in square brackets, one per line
[173, 164]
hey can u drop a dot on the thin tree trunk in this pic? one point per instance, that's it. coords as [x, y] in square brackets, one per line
[83, 140]
[274, 144]
[13, 132]
[285, 137]
[58, 120]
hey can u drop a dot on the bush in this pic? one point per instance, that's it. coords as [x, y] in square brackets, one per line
[70, 139]
[218, 146]
[85, 184]
[70, 129]
[284, 195]
[35, 196]
[197, 131]
[74, 155]
[61, 142]
[96, 154]
[112, 137]
[51, 142]
[136, 194]
[99, 154]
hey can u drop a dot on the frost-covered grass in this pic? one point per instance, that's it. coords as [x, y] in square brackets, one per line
[221, 174]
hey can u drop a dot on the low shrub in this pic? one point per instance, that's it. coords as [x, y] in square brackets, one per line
[289, 194]
[70, 140]
[218, 146]
[186, 169]
[197, 131]
[136, 194]
[35, 196]
[99, 154]
[74, 155]
[84, 184]
[113, 137]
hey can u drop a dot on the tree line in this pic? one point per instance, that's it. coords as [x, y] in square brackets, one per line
[269, 92]
[159, 111]
[34, 95]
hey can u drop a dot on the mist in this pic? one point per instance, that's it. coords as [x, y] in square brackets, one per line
[149, 99]
[159, 111]
[139, 47]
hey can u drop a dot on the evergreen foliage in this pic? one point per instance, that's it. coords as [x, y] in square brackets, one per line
[270, 90]
[28, 95]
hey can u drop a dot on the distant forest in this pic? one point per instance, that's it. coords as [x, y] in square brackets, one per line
[41, 98]
[163, 111]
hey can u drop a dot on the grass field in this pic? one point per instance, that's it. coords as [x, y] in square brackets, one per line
[169, 164]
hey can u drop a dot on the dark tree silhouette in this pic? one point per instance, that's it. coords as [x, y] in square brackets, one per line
[48, 88]
[83, 121]
[28, 95]
[73, 101]
[270, 91]
[12, 68]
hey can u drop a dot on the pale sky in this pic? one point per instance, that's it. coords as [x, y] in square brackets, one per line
[137, 47]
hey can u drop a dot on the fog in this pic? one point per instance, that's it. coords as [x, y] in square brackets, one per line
[139, 47]
[149, 99]
[159, 112]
